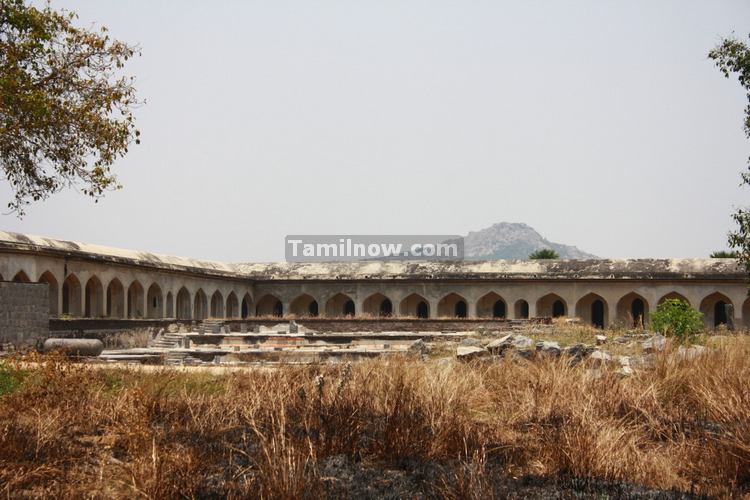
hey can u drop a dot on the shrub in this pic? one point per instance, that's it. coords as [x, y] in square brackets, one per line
[724, 254]
[10, 379]
[544, 253]
[675, 317]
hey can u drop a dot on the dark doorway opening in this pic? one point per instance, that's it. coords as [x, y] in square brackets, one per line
[460, 310]
[349, 308]
[720, 313]
[278, 309]
[523, 310]
[558, 309]
[638, 311]
[597, 313]
[422, 310]
[386, 308]
[498, 309]
[312, 309]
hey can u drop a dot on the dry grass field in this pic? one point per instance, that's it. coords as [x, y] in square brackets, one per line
[391, 427]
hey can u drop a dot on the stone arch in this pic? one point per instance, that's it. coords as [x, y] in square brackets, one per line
[93, 300]
[593, 309]
[49, 278]
[303, 306]
[378, 305]
[71, 295]
[135, 300]
[269, 305]
[452, 306]
[170, 305]
[713, 309]
[492, 305]
[673, 295]
[200, 305]
[233, 306]
[551, 306]
[217, 305]
[632, 310]
[183, 304]
[154, 302]
[115, 301]
[21, 277]
[416, 306]
[340, 305]
[247, 306]
[521, 309]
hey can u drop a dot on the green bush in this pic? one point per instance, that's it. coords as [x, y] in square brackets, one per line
[675, 317]
[10, 379]
[544, 253]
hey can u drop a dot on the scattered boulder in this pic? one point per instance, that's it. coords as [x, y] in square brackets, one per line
[645, 361]
[419, 347]
[578, 351]
[497, 346]
[525, 353]
[691, 352]
[600, 357]
[601, 339]
[625, 371]
[469, 341]
[656, 343]
[173, 328]
[521, 342]
[548, 348]
[467, 352]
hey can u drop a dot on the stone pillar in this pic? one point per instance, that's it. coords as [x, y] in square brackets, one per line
[611, 314]
[359, 306]
[729, 313]
[82, 309]
[532, 308]
[471, 308]
[433, 308]
[59, 298]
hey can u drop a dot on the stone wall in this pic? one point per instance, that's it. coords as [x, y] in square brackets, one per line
[24, 312]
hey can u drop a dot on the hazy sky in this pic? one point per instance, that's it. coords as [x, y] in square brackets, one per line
[600, 123]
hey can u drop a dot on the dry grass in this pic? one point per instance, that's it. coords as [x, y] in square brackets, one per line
[75, 430]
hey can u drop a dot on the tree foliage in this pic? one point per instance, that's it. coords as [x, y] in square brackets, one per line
[724, 254]
[544, 253]
[66, 112]
[675, 317]
[732, 57]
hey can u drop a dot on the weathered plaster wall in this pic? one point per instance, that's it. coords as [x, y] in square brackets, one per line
[91, 281]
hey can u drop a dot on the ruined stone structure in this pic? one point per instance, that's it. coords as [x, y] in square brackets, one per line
[24, 315]
[91, 281]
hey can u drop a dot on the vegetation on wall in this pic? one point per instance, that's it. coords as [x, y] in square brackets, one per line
[544, 253]
[724, 254]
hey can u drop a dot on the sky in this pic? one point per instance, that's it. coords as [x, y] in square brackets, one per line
[602, 124]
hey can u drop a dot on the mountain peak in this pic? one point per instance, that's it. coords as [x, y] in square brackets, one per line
[514, 240]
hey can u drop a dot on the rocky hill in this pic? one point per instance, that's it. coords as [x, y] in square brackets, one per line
[514, 240]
